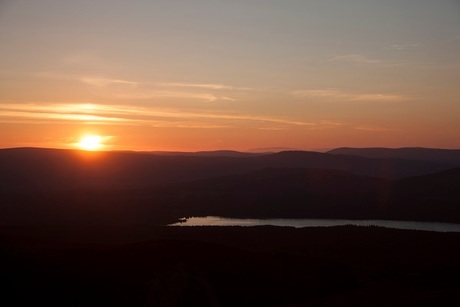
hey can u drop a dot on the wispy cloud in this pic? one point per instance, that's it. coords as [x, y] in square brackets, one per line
[354, 58]
[142, 91]
[120, 88]
[95, 81]
[137, 90]
[403, 46]
[25, 116]
[101, 82]
[336, 94]
[155, 94]
[129, 115]
[227, 98]
[373, 128]
[327, 124]
[273, 128]
[58, 112]
[197, 85]
[210, 86]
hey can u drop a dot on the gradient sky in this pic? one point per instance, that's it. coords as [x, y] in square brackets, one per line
[231, 74]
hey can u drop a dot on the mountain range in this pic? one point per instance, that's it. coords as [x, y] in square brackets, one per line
[435, 155]
[66, 186]
[85, 228]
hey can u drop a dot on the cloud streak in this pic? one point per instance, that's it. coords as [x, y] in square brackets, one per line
[336, 94]
[129, 115]
[373, 129]
[403, 46]
[209, 86]
[136, 90]
[354, 58]
[102, 82]
[197, 85]
[117, 88]
[158, 94]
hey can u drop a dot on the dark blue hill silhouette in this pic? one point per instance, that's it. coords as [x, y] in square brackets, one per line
[33, 168]
[388, 168]
[290, 193]
[215, 153]
[46, 186]
[444, 156]
[319, 193]
[428, 197]
[444, 185]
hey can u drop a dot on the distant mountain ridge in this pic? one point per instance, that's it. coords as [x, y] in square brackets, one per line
[215, 153]
[59, 169]
[43, 186]
[436, 155]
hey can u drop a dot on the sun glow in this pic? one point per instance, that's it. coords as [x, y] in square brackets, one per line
[90, 142]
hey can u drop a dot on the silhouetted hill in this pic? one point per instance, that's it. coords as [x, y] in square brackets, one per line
[383, 168]
[216, 153]
[275, 192]
[315, 193]
[34, 168]
[270, 149]
[62, 169]
[443, 156]
[433, 197]
[46, 186]
[445, 185]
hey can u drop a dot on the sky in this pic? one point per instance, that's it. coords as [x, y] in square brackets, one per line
[196, 75]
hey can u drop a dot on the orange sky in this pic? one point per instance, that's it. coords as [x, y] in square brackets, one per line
[205, 75]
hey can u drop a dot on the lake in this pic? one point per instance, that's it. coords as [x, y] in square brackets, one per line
[299, 223]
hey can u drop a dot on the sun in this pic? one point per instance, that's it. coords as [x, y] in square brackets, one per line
[90, 142]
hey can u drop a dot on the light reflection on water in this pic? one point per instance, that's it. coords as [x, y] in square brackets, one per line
[299, 223]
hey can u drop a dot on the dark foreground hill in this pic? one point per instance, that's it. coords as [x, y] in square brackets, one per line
[229, 266]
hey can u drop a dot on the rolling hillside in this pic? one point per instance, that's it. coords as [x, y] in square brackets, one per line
[48, 186]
